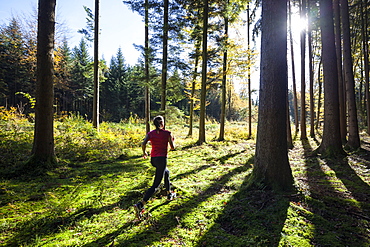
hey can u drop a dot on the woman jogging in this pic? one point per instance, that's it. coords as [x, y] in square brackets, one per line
[159, 138]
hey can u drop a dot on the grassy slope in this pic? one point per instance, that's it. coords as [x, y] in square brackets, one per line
[88, 200]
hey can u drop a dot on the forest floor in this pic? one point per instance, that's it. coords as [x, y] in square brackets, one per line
[89, 202]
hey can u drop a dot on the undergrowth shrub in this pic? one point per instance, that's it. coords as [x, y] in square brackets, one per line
[16, 135]
[13, 123]
[77, 139]
[237, 131]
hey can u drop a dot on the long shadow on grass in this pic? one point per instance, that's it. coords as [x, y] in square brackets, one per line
[359, 189]
[49, 224]
[332, 218]
[53, 222]
[106, 167]
[226, 157]
[253, 217]
[163, 225]
[185, 174]
[37, 186]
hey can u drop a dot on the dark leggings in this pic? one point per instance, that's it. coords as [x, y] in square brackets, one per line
[160, 163]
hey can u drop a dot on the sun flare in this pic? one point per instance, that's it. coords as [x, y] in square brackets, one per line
[298, 23]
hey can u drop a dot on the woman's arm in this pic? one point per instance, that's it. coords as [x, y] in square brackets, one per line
[143, 146]
[171, 142]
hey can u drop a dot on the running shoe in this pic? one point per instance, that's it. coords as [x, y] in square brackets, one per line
[139, 210]
[171, 196]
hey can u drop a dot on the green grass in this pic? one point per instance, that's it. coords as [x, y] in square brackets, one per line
[87, 200]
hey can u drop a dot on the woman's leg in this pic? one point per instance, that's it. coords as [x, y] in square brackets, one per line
[160, 164]
[167, 183]
[170, 194]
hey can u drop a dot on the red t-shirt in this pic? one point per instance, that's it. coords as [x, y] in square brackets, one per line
[159, 139]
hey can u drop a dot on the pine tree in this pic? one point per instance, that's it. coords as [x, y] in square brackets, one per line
[353, 132]
[195, 38]
[331, 140]
[82, 79]
[115, 90]
[202, 115]
[63, 66]
[15, 72]
[303, 11]
[96, 98]
[271, 161]
[43, 153]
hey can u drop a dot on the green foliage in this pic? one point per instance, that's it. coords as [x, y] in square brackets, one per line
[121, 95]
[78, 140]
[31, 99]
[15, 138]
[17, 68]
[90, 19]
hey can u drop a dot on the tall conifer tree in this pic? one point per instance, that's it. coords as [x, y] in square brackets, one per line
[271, 161]
[331, 140]
[43, 144]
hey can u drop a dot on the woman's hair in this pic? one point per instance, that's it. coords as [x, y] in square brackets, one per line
[157, 121]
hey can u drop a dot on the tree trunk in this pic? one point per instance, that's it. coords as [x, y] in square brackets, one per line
[223, 86]
[331, 141]
[353, 133]
[365, 49]
[96, 68]
[164, 59]
[296, 117]
[147, 76]
[360, 98]
[202, 116]
[310, 64]
[193, 83]
[303, 74]
[271, 161]
[290, 144]
[342, 96]
[319, 96]
[197, 47]
[249, 77]
[43, 144]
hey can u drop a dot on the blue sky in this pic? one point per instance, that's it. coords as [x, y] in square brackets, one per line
[119, 26]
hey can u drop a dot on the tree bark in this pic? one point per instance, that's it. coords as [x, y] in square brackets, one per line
[202, 115]
[43, 144]
[310, 66]
[193, 83]
[353, 133]
[341, 84]
[147, 76]
[319, 96]
[331, 144]
[164, 58]
[271, 161]
[96, 68]
[197, 46]
[223, 86]
[249, 77]
[295, 100]
[290, 144]
[303, 74]
[365, 49]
